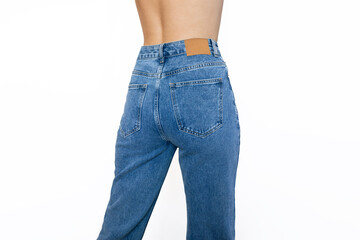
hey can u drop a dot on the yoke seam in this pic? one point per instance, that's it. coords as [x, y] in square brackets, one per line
[179, 70]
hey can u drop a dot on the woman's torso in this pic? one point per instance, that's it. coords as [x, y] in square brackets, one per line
[172, 20]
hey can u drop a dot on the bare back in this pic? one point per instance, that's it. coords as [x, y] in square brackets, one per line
[172, 20]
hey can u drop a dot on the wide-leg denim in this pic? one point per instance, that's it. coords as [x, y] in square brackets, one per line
[176, 101]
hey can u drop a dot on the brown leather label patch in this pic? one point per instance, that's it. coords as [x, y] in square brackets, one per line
[196, 46]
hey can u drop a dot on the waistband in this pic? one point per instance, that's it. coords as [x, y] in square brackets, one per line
[168, 49]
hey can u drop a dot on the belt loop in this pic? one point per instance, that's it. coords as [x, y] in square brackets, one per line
[215, 48]
[161, 52]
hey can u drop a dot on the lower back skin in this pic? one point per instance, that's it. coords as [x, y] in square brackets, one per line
[172, 20]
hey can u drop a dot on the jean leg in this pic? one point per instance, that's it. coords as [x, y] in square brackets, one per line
[209, 167]
[135, 189]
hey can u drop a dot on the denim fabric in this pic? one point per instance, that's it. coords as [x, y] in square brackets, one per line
[176, 101]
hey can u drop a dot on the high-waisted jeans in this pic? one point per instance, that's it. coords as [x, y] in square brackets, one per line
[176, 101]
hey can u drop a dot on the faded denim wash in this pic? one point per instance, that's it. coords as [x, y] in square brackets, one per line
[176, 101]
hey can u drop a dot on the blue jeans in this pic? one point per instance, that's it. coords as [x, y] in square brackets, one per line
[176, 101]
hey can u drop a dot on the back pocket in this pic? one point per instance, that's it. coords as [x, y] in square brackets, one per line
[198, 105]
[131, 118]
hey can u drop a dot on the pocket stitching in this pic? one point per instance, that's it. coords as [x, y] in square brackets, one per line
[196, 82]
[137, 126]
[176, 108]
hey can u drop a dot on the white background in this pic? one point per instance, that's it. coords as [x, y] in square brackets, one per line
[294, 68]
